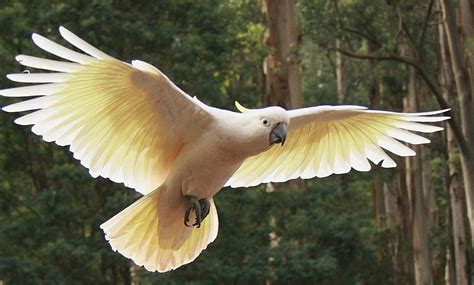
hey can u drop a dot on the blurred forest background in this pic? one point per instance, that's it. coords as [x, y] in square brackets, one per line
[407, 225]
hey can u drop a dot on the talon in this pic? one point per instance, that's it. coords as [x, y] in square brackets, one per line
[192, 204]
[205, 208]
[197, 213]
[186, 217]
[200, 207]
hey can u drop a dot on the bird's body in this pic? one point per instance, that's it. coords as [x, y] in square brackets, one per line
[207, 160]
[203, 168]
[131, 124]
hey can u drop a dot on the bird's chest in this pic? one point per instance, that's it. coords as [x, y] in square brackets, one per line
[202, 170]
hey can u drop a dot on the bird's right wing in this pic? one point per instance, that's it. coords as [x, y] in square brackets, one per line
[324, 140]
[126, 122]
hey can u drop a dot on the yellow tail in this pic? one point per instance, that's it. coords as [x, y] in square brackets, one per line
[136, 234]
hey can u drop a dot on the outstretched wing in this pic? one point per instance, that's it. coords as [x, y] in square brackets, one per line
[126, 122]
[333, 139]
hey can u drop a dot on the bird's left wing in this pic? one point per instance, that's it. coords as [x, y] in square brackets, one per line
[126, 122]
[333, 139]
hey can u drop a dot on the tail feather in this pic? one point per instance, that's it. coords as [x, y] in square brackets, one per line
[134, 233]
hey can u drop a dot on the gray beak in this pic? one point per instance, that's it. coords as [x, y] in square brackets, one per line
[278, 134]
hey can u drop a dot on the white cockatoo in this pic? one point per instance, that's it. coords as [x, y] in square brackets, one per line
[131, 124]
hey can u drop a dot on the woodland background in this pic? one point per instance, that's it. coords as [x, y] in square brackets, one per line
[408, 225]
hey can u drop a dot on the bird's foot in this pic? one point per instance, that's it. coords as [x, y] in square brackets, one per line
[200, 207]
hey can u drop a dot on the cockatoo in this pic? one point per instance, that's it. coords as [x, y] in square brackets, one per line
[131, 124]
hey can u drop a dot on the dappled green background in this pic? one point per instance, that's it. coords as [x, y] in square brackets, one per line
[51, 209]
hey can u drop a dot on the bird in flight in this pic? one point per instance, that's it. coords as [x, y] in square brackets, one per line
[131, 124]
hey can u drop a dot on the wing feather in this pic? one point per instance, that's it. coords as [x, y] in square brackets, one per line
[307, 151]
[325, 140]
[320, 151]
[357, 154]
[38, 77]
[312, 153]
[282, 170]
[32, 104]
[342, 149]
[272, 174]
[82, 45]
[47, 64]
[324, 168]
[60, 51]
[27, 91]
[125, 122]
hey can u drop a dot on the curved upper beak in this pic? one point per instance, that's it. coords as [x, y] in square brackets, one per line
[278, 134]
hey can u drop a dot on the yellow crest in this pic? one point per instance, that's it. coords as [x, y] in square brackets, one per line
[241, 108]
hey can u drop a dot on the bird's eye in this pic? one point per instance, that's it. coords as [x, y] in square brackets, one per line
[265, 122]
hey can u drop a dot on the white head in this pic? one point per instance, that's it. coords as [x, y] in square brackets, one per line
[259, 129]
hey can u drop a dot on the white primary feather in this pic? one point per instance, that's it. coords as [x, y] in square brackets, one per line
[405, 136]
[48, 64]
[39, 77]
[32, 104]
[82, 45]
[424, 119]
[37, 116]
[418, 114]
[60, 51]
[395, 147]
[417, 127]
[36, 90]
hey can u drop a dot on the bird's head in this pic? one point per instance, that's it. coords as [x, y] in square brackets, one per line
[266, 126]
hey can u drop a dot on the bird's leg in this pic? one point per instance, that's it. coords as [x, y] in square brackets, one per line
[200, 207]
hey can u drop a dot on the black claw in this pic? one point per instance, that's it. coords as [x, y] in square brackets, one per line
[192, 204]
[200, 207]
[197, 212]
[205, 208]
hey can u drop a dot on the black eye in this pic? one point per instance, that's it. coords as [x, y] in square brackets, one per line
[265, 122]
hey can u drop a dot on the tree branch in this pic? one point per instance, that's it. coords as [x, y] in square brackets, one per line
[425, 24]
[428, 80]
[341, 24]
[409, 36]
[331, 62]
[363, 35]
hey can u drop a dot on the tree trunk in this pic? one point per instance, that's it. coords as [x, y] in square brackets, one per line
[374, 103]
[457, 203]
[466, 17]
[463, 90]
[465, 10]
[456, 196]
[281, 75]
[406, 215]
[465, 13]
[394, 222]
[378, 197]
[459, 233]
[449, 277]
[341, 75]
[281, 66]
[420, 238]
[431, 208]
